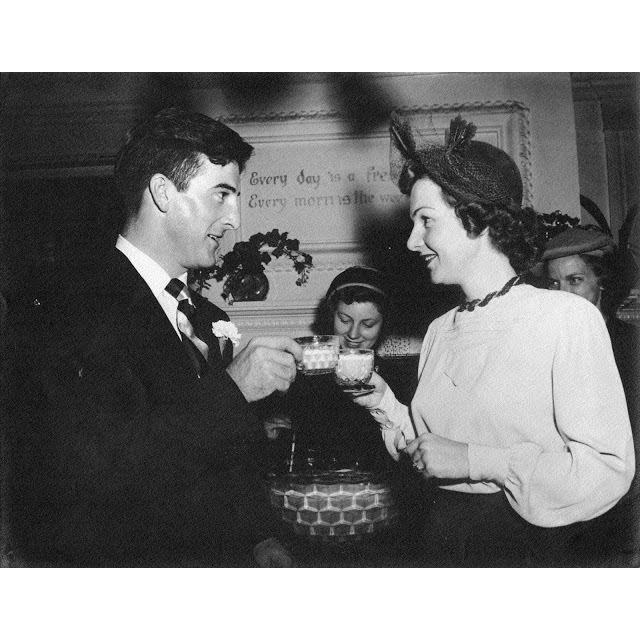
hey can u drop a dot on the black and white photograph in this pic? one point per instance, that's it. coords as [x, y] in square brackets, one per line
[381, 324]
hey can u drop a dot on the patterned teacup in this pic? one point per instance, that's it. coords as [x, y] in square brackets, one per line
[354, 368]
[319, 354]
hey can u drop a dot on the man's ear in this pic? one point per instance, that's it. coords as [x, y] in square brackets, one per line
[161, 189]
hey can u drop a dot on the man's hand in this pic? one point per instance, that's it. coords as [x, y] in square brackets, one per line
[438, 457]
[265, 365]
[273, 424]
[270, 553]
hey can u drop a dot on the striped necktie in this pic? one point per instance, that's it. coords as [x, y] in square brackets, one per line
[196, 349]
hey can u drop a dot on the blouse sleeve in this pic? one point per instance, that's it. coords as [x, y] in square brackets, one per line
[394, 418]
[595, 467]
[395, 423]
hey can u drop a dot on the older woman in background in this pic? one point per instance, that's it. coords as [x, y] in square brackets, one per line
[584, 261]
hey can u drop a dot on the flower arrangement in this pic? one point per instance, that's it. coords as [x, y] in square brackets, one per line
[243, 266]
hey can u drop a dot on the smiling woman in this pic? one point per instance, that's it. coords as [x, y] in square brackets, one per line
[507, 420]
[326, 422]
[316, 429]
[438, 236]
[357, 303]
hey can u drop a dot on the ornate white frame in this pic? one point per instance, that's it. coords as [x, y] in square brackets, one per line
[508, 121]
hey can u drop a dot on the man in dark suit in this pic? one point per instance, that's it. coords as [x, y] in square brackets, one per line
[133, 429]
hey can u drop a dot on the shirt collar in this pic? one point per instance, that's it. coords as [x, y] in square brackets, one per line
[152, 273]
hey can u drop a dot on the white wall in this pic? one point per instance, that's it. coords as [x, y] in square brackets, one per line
[547, 95]
[592, 157]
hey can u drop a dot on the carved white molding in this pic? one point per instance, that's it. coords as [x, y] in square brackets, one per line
[511, 107]
[280, 116]
[255, 321]
[102, 119]
[252, 318]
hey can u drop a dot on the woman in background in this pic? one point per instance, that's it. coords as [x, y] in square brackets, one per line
[330, 430]
[519, 420]
[584, 261]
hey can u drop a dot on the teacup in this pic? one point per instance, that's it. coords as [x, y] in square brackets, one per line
[319, 354]
[354, 367]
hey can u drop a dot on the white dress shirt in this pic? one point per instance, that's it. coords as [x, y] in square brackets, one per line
[155, 277]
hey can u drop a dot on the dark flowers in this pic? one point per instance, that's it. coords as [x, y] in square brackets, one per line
[250, 257]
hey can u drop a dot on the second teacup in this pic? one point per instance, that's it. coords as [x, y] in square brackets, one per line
[354, 367]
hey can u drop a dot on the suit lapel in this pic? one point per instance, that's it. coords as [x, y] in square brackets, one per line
[206, 314]
[202, 326]
[144, 324]
[147, 323]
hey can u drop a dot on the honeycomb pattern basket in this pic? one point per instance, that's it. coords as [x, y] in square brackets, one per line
[335, 505]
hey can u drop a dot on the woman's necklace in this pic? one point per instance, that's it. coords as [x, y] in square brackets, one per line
[472, 304]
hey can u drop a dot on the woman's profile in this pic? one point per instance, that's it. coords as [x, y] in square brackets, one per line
[519, 421]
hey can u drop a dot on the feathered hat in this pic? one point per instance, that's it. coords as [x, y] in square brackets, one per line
[470, 170]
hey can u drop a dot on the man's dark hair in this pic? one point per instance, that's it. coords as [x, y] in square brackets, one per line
[171, 143]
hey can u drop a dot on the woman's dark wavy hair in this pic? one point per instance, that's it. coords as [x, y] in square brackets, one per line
[513, 230]
[349, 295]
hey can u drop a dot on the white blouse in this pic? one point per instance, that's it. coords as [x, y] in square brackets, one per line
[530, 383]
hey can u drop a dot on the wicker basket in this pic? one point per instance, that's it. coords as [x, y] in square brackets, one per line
[333, 504]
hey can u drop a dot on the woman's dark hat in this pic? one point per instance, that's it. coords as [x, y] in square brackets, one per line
[366, 277]
[574, 241]
[578, 240]
[470, 170]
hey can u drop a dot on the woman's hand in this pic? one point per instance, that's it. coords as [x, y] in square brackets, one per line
[274, 424]
[369, 398]
[438, 457]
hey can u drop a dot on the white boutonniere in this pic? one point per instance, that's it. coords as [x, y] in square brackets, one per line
[224, 329]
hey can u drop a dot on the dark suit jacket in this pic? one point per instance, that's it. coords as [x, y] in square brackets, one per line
[121, 455]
